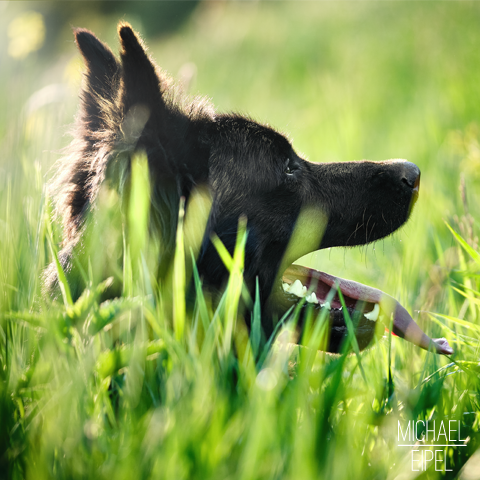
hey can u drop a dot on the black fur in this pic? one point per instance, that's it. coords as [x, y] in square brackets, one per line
[250, 169]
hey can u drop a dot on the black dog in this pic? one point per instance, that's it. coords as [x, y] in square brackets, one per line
[251, 171]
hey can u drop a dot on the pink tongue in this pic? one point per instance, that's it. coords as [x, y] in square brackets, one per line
[403, 324]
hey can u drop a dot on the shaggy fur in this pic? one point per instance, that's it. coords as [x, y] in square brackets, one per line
[250, 169]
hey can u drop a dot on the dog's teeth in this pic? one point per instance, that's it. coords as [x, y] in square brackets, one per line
[326, 305]
[312, 298]
[286, 287]
[298, 289]
[373, 315]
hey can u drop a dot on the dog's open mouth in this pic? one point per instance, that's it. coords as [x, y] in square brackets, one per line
[366, 305]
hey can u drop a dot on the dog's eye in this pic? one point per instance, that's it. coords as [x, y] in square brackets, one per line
[289, 169]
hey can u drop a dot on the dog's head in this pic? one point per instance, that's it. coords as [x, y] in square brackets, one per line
[292, 206]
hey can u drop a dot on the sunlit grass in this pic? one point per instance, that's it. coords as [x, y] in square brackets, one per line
[143, 383]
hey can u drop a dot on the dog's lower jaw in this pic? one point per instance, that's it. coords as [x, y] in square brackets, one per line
[364, 305]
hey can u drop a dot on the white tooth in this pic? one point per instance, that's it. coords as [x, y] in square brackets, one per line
[286, 287]
[312, 298]
[297, 289]
[373, 315]
[326, 305]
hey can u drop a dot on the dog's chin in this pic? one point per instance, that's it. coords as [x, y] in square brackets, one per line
[366, 306]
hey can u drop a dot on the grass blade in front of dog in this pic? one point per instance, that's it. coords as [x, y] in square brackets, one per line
[62, 279]
[235, 281]
[138, 218]
[351, 334]
[256, 334]
[179, 277]
[200, 296]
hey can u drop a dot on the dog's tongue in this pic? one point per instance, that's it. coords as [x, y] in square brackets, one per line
[403, 324]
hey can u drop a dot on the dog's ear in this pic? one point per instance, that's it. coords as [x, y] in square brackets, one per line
[154, 118]
[141, 83]
[102, 76]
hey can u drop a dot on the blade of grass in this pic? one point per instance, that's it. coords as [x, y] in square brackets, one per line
[351, 335]
[179, 307]
[62, 279]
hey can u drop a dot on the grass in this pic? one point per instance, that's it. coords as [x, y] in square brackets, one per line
[141, 387]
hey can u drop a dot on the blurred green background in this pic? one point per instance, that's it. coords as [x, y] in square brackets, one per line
[345, 81]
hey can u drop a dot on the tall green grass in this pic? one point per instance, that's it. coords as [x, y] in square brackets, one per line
[146, 385]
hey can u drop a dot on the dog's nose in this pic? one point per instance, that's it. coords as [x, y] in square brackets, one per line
[411, 175]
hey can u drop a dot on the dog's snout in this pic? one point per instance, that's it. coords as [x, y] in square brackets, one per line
[411, 175]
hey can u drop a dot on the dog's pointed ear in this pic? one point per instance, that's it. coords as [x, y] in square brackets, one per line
[142, 84]
[102, 76]
[102, 64]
